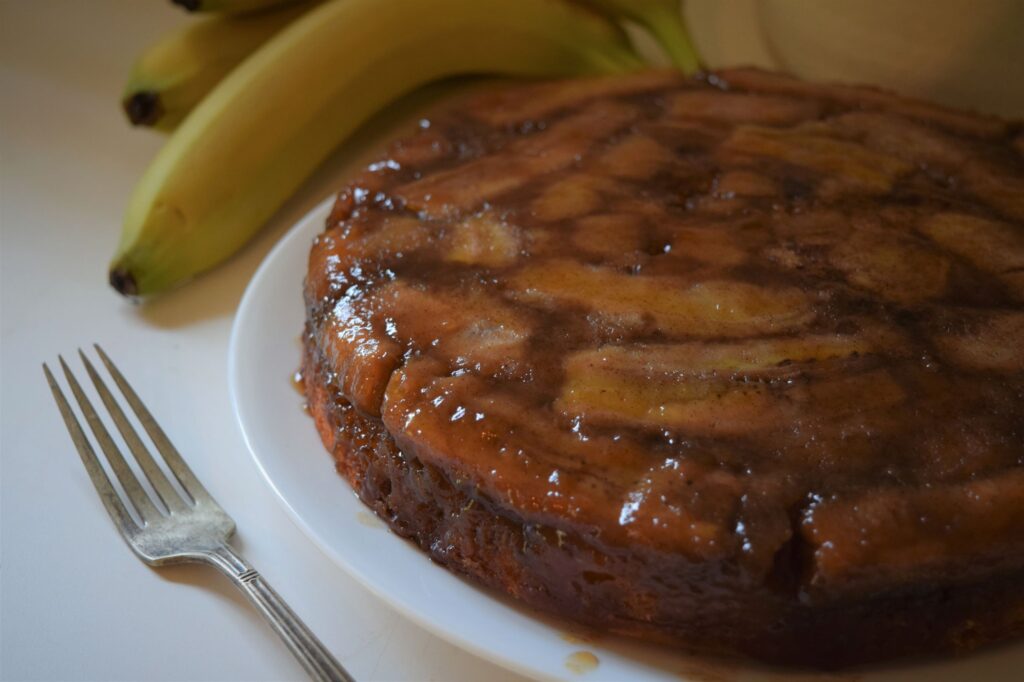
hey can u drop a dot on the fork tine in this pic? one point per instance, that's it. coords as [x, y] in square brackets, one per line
[170, 454]
[170, 497]
[129, 483]
[118, 512]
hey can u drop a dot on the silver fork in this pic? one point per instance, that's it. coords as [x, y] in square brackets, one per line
[193, 528]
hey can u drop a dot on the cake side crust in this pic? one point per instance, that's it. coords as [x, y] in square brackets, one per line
[563, 574]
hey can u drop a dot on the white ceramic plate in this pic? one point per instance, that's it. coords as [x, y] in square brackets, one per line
[264, 353]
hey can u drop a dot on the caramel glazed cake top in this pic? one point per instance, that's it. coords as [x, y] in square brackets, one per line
[757, 323]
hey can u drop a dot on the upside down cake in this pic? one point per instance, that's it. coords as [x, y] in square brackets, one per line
[733, 363]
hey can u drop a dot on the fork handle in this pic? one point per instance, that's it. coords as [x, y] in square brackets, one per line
[304, 645]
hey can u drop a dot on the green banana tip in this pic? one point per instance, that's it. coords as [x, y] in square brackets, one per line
[123, 281]
[143, 108]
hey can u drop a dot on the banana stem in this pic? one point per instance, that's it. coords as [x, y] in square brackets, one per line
[669, 27]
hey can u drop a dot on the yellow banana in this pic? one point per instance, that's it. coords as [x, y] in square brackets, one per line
[253, 140]
[230, 6]
[664, 19]
[173, 75]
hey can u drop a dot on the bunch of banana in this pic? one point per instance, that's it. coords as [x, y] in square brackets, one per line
[250, 134]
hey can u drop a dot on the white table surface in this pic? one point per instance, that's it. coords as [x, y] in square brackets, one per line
[76, 604]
